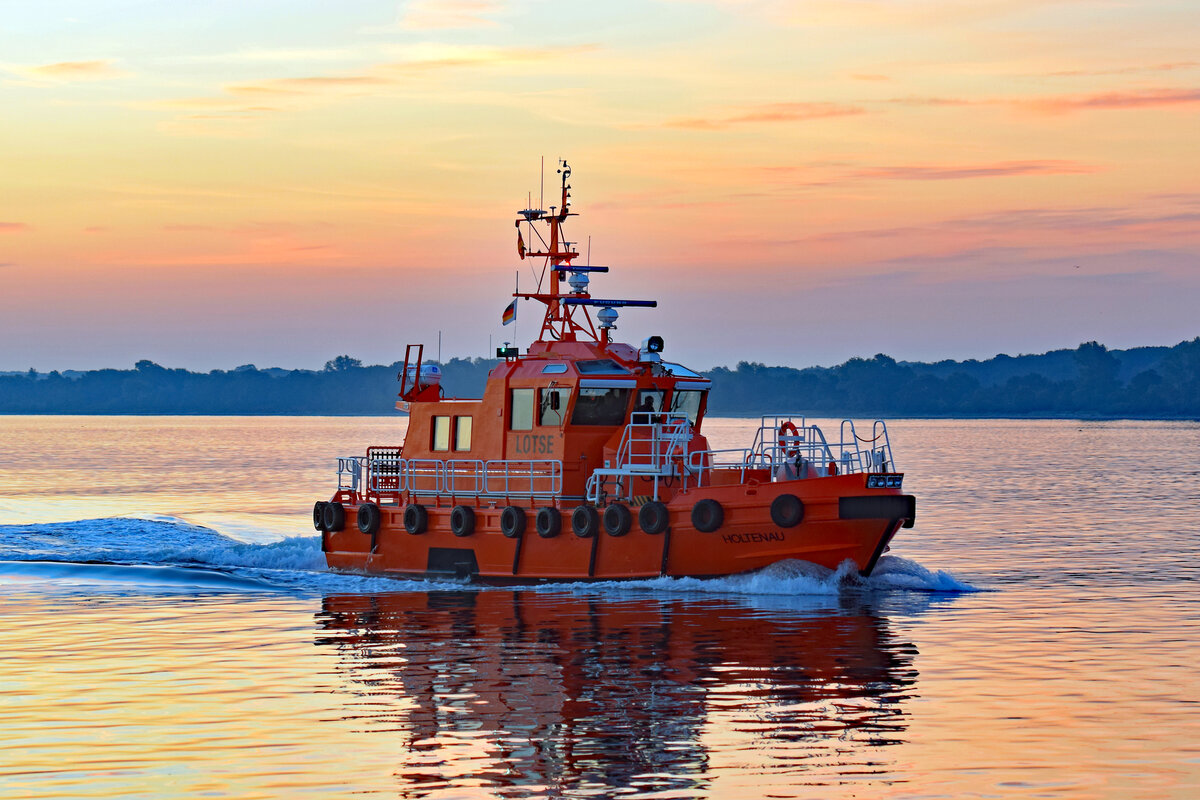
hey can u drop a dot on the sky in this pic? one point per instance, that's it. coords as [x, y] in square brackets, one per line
[214, 184]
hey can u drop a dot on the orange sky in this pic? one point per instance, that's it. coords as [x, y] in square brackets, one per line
[796, 183]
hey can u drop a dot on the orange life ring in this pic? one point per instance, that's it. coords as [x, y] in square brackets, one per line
[788, 428]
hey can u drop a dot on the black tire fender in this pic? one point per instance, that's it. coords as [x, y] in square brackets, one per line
[512, 522]
[787, 510]
[416, 518]
[707, 515]
[617, 519]
[334, 516]
[585, 521]
[319, 515]
[462, 520]
[369, 518]
[653, 517]
[548, 522]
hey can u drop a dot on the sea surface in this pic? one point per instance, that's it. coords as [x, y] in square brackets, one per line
[168, 629]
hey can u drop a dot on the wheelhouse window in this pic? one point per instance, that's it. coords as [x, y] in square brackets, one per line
[649, 401]
[462, 433]
[441, 433]
[520, 415]
[554, 369]
[680, 371]
[687, 401]
[601, 406]
[552, 406]
[600, 366]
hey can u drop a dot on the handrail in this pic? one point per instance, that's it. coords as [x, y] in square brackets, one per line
[388, 474]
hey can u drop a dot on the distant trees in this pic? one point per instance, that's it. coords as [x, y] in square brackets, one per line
[1089, 381]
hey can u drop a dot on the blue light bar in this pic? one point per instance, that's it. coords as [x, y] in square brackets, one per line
[591, 301]
[565, 268]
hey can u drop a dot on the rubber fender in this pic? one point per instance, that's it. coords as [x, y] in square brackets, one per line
[334, 516]
[462, 520]
[787, 510]
[653, 517]
[512, 522]
[319, 515]
[585, 521]
[548, 522]
[416, 518]
[617, 519]
[369, 518]
[707, 515]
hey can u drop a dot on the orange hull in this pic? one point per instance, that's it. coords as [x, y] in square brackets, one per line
[747, 539]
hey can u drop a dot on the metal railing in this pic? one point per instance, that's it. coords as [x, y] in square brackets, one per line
[390, 475]
[349, 473]
[653, 445]
[790, 448]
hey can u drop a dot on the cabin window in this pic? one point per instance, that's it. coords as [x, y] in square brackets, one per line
[554, 369]
[462, 433]
[552, 406]
[601, 366]
[601, 406]
[441, 433]
[521, 410]
[680, 371]
[649, 401]
[687, 401]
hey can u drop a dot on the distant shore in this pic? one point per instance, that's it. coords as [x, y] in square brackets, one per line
[1089, 382]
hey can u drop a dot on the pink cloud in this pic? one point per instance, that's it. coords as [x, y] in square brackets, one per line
[1148, 98]
[13, 227]
[941, 172]
[769, 112]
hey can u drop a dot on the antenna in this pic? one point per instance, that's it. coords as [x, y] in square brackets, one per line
[542, 191]
[589, 255]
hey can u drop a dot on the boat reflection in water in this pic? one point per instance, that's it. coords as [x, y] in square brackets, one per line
[529, 693]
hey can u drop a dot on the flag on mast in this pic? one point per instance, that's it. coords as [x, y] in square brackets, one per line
[510, 313]
[520, 245]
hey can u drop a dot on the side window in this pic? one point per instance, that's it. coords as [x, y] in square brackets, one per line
[687, 401]
[552, 406]
[601, 406]
[649, 401]
[441, 433]
[521, 410]
[462, 433]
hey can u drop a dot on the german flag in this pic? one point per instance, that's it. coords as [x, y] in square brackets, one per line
[520, 245]
[510, 313]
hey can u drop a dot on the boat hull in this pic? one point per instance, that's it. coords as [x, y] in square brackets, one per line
[842, 521]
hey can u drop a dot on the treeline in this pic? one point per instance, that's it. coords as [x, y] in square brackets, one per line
[1089, 381]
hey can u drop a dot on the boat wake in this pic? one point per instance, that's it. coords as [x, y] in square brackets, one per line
[164, 554]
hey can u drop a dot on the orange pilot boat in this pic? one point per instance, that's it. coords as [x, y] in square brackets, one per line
[586, 460]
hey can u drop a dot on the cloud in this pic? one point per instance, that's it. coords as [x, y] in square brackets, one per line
[769, 112]
[1062, 104]
[1167, 67]
[290, 92]
[98, 70]
[1109, 100]
[865, 76]
[939, 172]
[442, 14]
[14, 227]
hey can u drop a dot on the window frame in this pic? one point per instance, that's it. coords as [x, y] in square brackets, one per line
[439, 421]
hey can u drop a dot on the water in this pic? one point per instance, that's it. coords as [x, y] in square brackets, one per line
[169, 631]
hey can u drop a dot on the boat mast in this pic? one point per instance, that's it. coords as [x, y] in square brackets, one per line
[567, 317]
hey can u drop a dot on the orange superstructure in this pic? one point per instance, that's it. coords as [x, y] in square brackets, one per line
[585, 459]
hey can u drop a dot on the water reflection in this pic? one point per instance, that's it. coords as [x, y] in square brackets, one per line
[539, 694]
